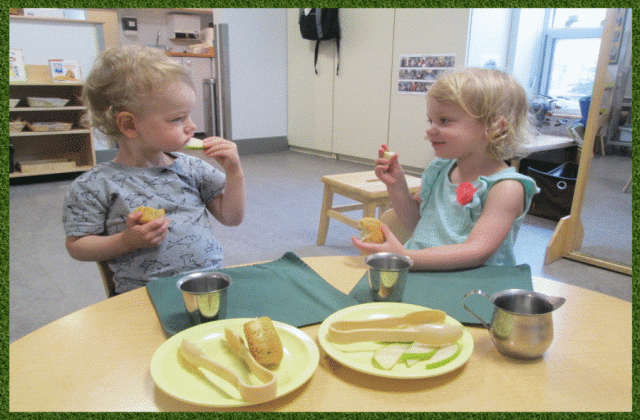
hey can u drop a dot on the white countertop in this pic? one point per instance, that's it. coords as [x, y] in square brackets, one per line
[545, 142]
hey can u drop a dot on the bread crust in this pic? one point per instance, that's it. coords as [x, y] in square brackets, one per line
[263, 341]
[149, 214]
[371, 230]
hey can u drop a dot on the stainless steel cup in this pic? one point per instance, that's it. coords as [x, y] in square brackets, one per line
[204, 295]
[387, 276]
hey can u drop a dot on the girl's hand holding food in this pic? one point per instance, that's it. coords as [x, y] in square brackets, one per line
[391, 243]
[387, 168]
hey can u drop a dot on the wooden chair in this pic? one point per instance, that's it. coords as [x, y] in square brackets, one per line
[628, 185]
[363, 187]
[107, 278]
[390, 218]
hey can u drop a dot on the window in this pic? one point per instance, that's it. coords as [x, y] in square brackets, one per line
[578, 18]
[570, 54]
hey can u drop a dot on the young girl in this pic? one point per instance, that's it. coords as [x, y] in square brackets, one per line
[142, 99]
[471, 203]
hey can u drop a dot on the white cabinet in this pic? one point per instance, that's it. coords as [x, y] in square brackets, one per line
[421, 31]
[182, 25]
[352, 113]
[348, 112]
[310, 110]
[361, 89]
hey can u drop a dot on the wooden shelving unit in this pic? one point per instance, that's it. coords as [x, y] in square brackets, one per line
[50, 19]
[193, 55]
[50, 152]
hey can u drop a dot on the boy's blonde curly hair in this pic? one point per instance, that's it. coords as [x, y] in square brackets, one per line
[120, 76]
[488, 94]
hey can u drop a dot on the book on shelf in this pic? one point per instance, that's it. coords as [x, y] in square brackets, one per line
[17, 72]
[65, 71]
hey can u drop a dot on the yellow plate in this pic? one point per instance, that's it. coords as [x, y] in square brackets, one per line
[358, 356]
[180, 380]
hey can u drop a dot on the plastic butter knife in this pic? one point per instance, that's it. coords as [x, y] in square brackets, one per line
[425, 327]
[253, 394]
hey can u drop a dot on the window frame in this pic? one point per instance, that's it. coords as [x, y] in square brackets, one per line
[549, 36]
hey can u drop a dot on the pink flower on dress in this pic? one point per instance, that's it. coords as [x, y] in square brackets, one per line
[464, 193]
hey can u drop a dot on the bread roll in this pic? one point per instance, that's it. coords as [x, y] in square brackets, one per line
[149, 214]
[263, 341]
[371, 230]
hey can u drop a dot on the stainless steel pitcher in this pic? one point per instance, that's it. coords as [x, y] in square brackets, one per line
[521, 325]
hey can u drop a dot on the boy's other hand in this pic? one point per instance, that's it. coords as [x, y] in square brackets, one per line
[146, 235]
[225, 152]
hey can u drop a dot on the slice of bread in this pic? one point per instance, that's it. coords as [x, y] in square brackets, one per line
[371, 230]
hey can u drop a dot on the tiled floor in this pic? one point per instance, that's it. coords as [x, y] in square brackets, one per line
[283, 203]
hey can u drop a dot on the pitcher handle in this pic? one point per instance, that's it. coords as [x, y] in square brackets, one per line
[475, 292]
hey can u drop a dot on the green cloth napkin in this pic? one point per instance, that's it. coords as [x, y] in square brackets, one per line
[285, 290]
[445, 290]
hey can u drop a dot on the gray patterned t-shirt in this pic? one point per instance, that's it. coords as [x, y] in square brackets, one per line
[99, 201]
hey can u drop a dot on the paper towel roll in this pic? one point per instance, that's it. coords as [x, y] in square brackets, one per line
[207, 35]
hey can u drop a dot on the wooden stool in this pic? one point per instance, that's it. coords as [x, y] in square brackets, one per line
[363, 187]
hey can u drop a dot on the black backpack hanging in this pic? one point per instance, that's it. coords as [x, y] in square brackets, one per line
[318, 25]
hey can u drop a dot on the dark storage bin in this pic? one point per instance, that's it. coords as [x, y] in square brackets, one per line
[556, 191]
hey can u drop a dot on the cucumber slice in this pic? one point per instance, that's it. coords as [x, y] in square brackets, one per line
[388, 154]
[195, 143]
[444, 355]
[417, 352]
[386, 357]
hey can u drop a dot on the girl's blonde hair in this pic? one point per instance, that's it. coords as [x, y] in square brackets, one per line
[488, 95]
[120, 76]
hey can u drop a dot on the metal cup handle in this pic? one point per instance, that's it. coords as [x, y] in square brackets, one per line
[475, 292]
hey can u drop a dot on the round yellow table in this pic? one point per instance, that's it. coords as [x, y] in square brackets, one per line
[97, 359]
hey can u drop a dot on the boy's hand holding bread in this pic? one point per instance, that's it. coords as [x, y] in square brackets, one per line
[140, 232]
[149, 214]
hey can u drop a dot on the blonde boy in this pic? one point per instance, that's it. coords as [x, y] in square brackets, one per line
[142, 99]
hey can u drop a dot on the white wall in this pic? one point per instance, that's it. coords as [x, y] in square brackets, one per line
[527, 47]
[421, 31]
[310, 123]
[361, 90]
[258, 71]
[257, 61]
[352, 113]
[43, 40]
[488, 37]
